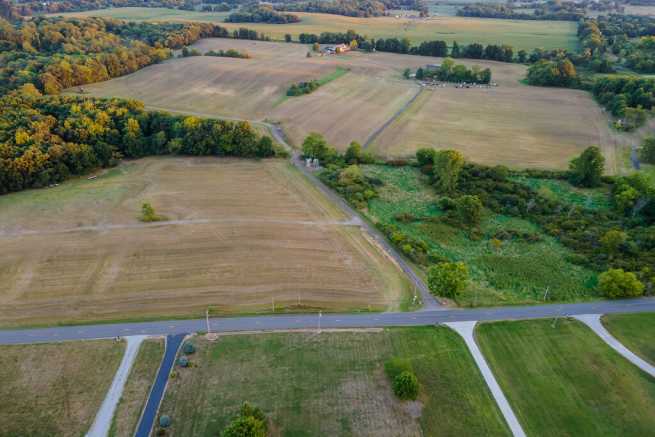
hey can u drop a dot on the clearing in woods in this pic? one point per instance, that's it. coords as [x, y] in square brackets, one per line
[55, 389]
[243, 236]
[562, 379]
[333, 384]
[512, 124]
[521, 34]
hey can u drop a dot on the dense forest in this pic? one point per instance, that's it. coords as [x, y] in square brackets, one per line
[261, 14]
[34, 7]
[46, 139]
[55, 53]
[351, 8]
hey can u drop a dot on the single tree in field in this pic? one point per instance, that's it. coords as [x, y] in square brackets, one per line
[612, 241]
[287, 38]
[447, 279]
[447, 167]
[587, 169]
[647, 151]
[316, 47]
[251, 422]
[617, 283]
[405, 385]
[148, 213]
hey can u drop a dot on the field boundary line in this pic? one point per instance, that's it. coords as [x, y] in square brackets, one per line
[465, 330]
[594, 323]
[393, 118]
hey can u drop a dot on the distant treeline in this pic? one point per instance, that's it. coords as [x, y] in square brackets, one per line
[55, 53]
[261, 14]
[45, 140]
[565, 11]
[448, 71]
[351, 8]
[493, 52]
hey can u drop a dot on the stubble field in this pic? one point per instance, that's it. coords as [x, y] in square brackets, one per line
[512, 124]
[241, 237]
[520, 34]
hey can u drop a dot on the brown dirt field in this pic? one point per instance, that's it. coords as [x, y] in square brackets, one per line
[55, 389]
[242, 234]
[514, 124]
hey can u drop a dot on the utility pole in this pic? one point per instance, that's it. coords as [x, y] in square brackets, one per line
[207, 320]
[320, 314]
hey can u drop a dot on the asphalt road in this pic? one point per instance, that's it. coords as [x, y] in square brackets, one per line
[327, 321]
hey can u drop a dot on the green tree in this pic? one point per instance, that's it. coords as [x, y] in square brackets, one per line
[245, 427]
[613, 240]
[469, 210]
[356, 155]
[455, 52]
[425, 156]
[647, 150]
[447, 167]
[405, 385]
[287, 38]
[617, 283]
[587, 169]
[447, 279]
[315, 146]
[420, 74]
[148, 213]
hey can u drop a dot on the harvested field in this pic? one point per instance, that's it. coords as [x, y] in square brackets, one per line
[333, 384]
[521, 34]
[512, 124]
[242, 236]
[55, 389]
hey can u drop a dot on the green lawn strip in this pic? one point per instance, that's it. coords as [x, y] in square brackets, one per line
[635, 331]
[137, 388]
[336, 74]
[518, 272]
[333, 384]
[55, 389]
[561, 379]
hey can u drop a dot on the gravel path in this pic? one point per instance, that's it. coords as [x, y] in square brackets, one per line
[105, 415]
[593, 321]
[465, 329]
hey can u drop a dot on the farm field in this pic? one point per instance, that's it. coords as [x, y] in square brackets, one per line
[635, 331]
[561, 379]
[640, 10]
[333, 383]
[137, 388]
[518, 272]
[520, 34]
[512, 124]
[55, 389]
[241, 237]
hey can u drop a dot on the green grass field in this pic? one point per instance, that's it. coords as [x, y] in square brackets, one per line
[137, 388]
[517, 272]
[333, 384]
[635, 331]
[520, 34]
[561, 379]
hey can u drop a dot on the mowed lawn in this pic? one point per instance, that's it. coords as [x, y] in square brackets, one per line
[561, 379]
[635, 331]
[333, 384]
[240, 236]
[55, 389]
[512, 124]
[137, 388]
[521, 34]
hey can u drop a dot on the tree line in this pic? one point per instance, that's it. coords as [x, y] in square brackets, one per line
[448, 71]
[261, 14]
[554, 11]
[55, 53]
[351, 8]
[46, 139]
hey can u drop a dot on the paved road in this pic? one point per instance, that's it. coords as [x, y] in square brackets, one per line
[328, 321]
[158, 389]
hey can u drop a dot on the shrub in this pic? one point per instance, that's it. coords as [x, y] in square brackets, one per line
[183, 361]
[616, 283]
[425, 157]
[447, 279]
[250, 422]
[164, 421]
[405, 385]
[148, 213]
[188, 348]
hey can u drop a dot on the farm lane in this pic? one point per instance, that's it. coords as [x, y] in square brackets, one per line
[393, 118]
[108, 227]
[328, 321]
